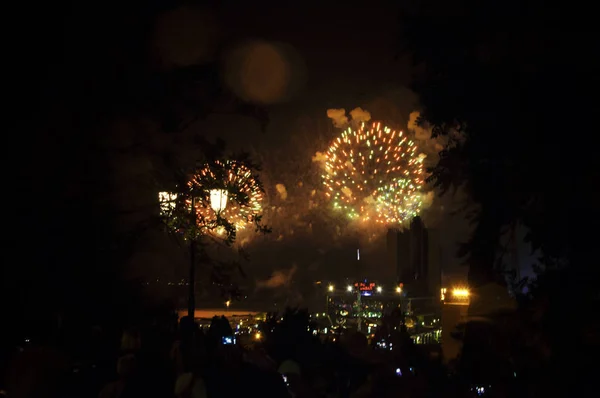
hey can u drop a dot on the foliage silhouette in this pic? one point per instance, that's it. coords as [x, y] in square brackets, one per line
[495, 97]
[97, 86]
[490, 80]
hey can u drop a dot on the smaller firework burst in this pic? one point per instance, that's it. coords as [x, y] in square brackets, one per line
[397, 203]
[240, 194]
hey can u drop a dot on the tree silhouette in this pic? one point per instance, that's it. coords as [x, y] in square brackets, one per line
[107, 105]
[495, 96]
[512, 93]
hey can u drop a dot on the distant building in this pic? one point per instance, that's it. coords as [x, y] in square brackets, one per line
[416, 255]
[454, 318]
[436, 262]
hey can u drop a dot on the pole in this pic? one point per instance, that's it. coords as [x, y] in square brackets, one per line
[360, 311]
[192, 281]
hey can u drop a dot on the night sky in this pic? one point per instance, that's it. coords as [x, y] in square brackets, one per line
[335, 57]
[300, 62]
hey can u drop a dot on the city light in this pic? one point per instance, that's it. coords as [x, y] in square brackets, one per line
[330, 288]
[227, 303]
[379, 289]
[460, 292]
[257, 336]
[443, 293]
[398, 289]
[349, 288]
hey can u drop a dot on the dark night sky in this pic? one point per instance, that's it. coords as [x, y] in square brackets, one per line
[336, 57]
[339, 57]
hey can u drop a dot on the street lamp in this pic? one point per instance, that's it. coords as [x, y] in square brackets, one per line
[218, 199]
[330, 289]
[398, 289]
[379, 289]
[349, 288]
[218, 202]
[227, 303]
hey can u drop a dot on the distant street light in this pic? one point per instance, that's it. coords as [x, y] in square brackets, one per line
[398, 289]
[349, 288]
[330, 289]
[460, 292]
[379, 289]
[227, 303]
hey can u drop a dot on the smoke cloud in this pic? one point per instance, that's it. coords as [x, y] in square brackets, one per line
[281, 191]
[360, 115]
[427, 199]
[338, 117]
[320, 158]
[421, 132]
[279, 278]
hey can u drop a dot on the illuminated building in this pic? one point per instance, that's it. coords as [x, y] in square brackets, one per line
[455, 312]
[361, 304]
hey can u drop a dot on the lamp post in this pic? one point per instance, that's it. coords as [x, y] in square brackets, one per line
[218, 201]
[192, 277]
[330, 289]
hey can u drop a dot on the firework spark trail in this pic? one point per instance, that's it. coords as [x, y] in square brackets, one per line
[374, 173]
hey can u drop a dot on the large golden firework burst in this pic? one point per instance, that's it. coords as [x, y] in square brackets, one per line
[241, 194]
[374, 173]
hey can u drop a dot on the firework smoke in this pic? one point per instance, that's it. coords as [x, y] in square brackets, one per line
[340, 120]
[421, 132]
[279, 278]
[338, 117]
[320, 158]
[360, 115]
[282, 191]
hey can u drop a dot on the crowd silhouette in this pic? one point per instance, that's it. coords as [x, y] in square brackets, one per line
[176, 358]
[509, 355]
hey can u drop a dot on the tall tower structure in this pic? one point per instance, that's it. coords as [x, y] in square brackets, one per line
[436, 258]
[419, 250]
[398, 248]
[409, 252]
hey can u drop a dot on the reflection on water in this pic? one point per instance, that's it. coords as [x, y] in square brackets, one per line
[211, 312]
